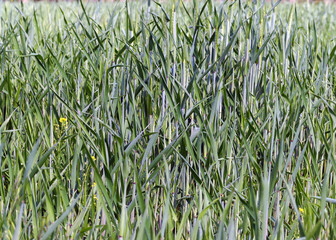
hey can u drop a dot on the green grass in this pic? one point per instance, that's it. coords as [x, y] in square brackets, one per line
[193, 120]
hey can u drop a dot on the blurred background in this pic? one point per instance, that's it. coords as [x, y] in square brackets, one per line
[292, 1]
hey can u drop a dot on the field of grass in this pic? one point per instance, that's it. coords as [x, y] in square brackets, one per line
[195, 120]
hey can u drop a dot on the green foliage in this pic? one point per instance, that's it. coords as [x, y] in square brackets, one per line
[193, 120]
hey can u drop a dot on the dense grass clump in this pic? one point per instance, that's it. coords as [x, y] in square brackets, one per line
[193, 120]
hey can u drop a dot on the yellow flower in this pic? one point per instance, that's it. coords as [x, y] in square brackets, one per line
[93, 158]
[95, 197]
[63, 121]
[301, 210]
[94, 184]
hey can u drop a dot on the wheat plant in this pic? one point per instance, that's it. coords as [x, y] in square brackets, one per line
[158, 120]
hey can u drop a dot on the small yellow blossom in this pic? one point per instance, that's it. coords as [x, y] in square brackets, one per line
[94, 184]
[63, 120]
[93, 158]
[301, 210]
[95, 197]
